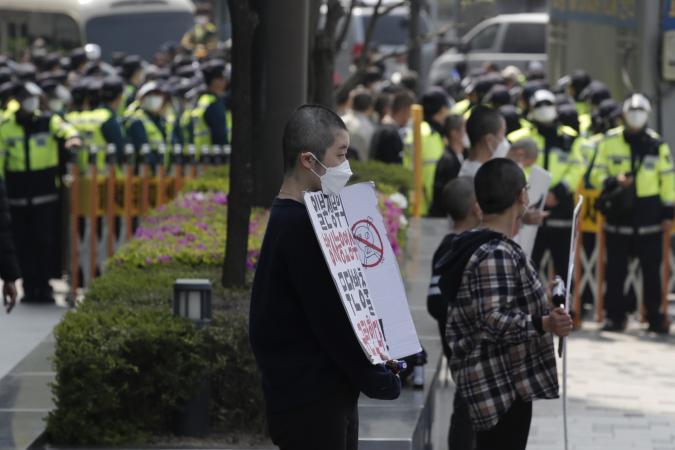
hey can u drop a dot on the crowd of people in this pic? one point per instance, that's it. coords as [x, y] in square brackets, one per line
[574, 129]
[481, 140]
[54, 107]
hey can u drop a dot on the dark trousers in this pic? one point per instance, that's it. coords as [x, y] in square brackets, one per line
[648, 249]
[35, 230]
[511, 431]
[330, 424]
[557, 241]
[461, 435]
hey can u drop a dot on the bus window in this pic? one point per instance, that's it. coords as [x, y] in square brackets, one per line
[138, 33]
[19, 29]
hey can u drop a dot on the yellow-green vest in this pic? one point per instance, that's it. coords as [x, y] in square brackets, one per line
[566, 167]
[155, 137]
[200, 129]
[88, 124]
[655, 176]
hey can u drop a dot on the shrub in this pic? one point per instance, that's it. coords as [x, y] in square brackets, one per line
[121, 373]
[388, 178]
[215, 179]
[122, 347]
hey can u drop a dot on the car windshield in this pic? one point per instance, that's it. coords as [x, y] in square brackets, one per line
[142, 34]
[392, 29]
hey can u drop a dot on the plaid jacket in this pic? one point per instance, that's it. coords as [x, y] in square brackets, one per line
[497, 353]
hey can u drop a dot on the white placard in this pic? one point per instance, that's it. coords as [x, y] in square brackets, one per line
[339, 248]
[382, 272]
[539, 181]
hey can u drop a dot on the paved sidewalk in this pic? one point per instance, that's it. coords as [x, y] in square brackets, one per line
[621, 391]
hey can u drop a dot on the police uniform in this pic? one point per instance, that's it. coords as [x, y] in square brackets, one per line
[100, 126]
[30, 147]
[639, 233]
[561, 155]
[208, 117]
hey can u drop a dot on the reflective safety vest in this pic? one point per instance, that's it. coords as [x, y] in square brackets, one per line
[88, 124]
[565, 162]
[154, 134]
[589, 150]
[655, 178]
[432, 150]
[30, 162]
[461, 108]
[200, 129]
[127, 94]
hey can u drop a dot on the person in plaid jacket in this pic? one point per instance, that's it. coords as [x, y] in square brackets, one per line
[499, 322]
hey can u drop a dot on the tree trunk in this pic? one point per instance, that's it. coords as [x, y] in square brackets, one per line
[283, 38]
[414, 48]
[322, 61]
[244, 24]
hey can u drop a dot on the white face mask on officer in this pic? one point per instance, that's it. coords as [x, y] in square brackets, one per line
[153, 103]
[335, 178]
[30, 104]
[544, 114]
[636, 119]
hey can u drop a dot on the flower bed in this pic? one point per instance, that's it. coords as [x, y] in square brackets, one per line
[190, 230]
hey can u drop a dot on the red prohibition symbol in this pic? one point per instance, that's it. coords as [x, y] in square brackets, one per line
[369, 242]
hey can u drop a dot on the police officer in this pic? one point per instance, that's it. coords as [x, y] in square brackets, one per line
[579, 81]
[101, 125]
[147, 125]
[133, 74]
[561, 155]
[209, 116]
[435, 105]
[30, 140]
[635, 158]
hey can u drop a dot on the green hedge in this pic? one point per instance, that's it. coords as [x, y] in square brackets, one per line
[121, 373]
[388, 178]
[216, 179]
[124, 363]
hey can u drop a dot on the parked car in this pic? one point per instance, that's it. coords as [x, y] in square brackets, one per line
[391, 35]
[508, 39]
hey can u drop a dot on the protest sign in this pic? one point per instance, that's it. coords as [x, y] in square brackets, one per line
[381, 267]
[329, 220]
[539, 181]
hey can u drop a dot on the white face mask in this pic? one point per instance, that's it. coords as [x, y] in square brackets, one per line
[544, 114]
[30, 104]
[56, 105]
[502, 149]
[153, 103]
[636, 118]
[335, 178]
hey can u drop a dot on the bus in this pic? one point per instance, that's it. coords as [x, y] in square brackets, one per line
[133, 26]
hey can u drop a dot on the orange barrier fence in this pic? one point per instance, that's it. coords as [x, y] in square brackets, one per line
[104, 204]
[589, 269]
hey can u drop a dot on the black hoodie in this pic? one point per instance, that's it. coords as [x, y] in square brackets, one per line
[451, 266]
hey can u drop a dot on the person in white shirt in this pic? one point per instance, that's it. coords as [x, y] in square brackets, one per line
[486, 129]
[359, 123]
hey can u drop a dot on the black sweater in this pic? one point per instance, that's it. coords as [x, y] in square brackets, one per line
[300, 333]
